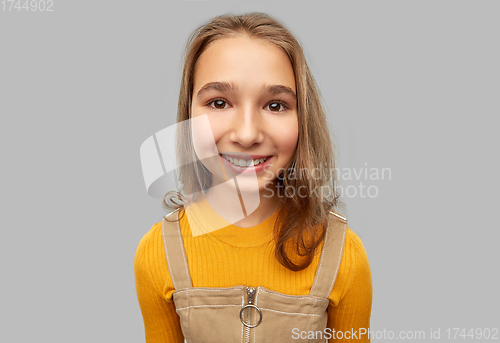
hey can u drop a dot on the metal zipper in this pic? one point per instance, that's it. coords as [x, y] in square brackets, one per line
[250, 304]
[250, 296]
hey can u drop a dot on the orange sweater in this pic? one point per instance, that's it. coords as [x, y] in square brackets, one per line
[245, 256]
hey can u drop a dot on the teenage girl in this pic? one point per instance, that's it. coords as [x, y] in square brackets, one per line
[247, 77]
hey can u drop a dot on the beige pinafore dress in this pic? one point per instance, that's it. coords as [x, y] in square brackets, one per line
[252, 314]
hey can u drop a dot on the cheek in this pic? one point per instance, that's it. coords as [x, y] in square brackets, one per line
[288, 138]
[207, 129]
[203, 137]
[204, 143]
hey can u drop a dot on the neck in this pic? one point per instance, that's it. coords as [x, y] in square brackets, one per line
[238, 208]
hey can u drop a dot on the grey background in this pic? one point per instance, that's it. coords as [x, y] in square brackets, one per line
[412, 86]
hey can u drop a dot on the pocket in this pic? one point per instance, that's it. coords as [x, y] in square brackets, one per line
[212, 324]
[210, 314]
[288, 318]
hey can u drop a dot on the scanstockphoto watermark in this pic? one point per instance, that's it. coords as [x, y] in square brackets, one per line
[409, 335]
[362, 182]
[329, 333]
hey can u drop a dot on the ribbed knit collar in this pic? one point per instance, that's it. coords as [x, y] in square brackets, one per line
[206, 218]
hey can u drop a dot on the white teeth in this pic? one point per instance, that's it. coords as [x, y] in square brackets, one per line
[243, 163]
[261, 160]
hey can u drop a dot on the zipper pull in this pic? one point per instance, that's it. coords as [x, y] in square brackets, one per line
[251, 298]
[251, 294]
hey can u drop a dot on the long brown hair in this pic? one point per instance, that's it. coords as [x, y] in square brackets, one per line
[301, 223]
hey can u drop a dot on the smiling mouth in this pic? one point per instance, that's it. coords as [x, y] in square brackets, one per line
[244, 163]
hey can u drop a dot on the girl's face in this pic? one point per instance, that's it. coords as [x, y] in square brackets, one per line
[246, 87]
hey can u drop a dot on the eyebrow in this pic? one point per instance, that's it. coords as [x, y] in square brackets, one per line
[223, 86]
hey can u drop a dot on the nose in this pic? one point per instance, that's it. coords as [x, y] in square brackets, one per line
[247, 127]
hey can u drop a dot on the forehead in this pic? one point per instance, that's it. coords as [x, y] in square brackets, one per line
[245, 62]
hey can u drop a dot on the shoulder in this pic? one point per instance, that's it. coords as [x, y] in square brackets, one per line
[354, 256]
[150, 265]
[353, 246]
[149, 241]
[154, 237]
[354, 267]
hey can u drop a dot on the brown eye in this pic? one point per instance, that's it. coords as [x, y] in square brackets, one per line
[275, 107]
[218, 104]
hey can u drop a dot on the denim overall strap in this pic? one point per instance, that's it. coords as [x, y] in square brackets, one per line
[331, 256]
[174, 251]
